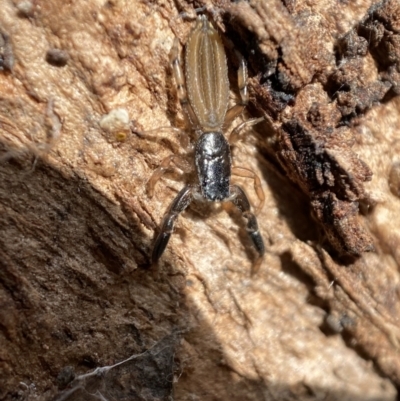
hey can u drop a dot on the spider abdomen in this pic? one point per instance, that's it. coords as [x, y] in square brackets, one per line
[206, 74]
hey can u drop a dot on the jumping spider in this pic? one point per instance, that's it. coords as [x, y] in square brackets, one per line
[205, 102]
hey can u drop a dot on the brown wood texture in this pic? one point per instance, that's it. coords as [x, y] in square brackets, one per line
[83, 316]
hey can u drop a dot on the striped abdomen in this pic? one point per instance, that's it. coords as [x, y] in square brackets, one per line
[207, 75]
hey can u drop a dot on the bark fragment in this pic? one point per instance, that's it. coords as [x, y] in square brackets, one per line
[318, 156]
[313, 147]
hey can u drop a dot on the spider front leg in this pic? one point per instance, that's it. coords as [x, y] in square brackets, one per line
[179, 204]
[237, 109]
[241, 201]
[180, 84]
[237, 131]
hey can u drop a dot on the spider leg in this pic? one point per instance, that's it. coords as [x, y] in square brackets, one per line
[179, 204]
[248, 173]
[240, 200]
[165, 165]
[237, 131]
[237, 109]
[155, 135]
[180, 84]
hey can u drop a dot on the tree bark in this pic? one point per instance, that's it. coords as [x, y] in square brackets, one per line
[84, 315]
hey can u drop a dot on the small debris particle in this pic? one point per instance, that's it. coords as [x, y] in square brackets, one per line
[116, 123]
[336, 324]
[57, 57]
[25, 9]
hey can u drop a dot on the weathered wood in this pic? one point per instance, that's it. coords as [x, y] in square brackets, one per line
[76, 225]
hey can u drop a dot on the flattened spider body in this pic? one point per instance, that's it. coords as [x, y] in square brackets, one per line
[204, 98]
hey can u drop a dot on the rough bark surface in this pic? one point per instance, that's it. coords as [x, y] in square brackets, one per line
[83, 316]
